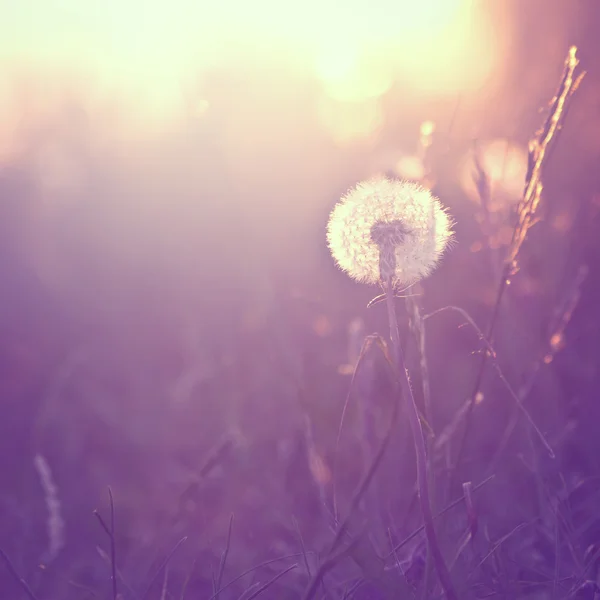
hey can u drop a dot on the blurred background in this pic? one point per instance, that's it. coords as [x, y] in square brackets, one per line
[172, 324]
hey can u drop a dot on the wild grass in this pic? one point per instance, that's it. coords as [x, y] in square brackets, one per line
[278, 474]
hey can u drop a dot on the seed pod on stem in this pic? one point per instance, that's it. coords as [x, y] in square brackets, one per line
[394, 232]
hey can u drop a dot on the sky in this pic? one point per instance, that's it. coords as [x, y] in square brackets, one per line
[151, 49]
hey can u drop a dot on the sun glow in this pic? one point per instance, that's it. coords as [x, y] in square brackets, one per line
[433, 48]
[147, 55]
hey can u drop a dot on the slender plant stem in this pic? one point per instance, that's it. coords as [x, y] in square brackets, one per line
[420, 448]
[417, 531]
[162, 566]
[540, 149]
[113, 560]
[24, 585]
[261, 589]
[224, 556]
[342, 528]
[483, 361]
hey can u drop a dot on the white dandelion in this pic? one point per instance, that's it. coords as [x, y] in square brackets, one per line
[388, 228]
[393, 232]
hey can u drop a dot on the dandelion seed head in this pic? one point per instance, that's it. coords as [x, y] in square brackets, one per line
[388, 228]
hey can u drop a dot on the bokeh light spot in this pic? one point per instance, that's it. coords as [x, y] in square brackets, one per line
[505, 165]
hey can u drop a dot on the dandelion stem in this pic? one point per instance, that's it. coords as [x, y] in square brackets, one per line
[420, 448]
